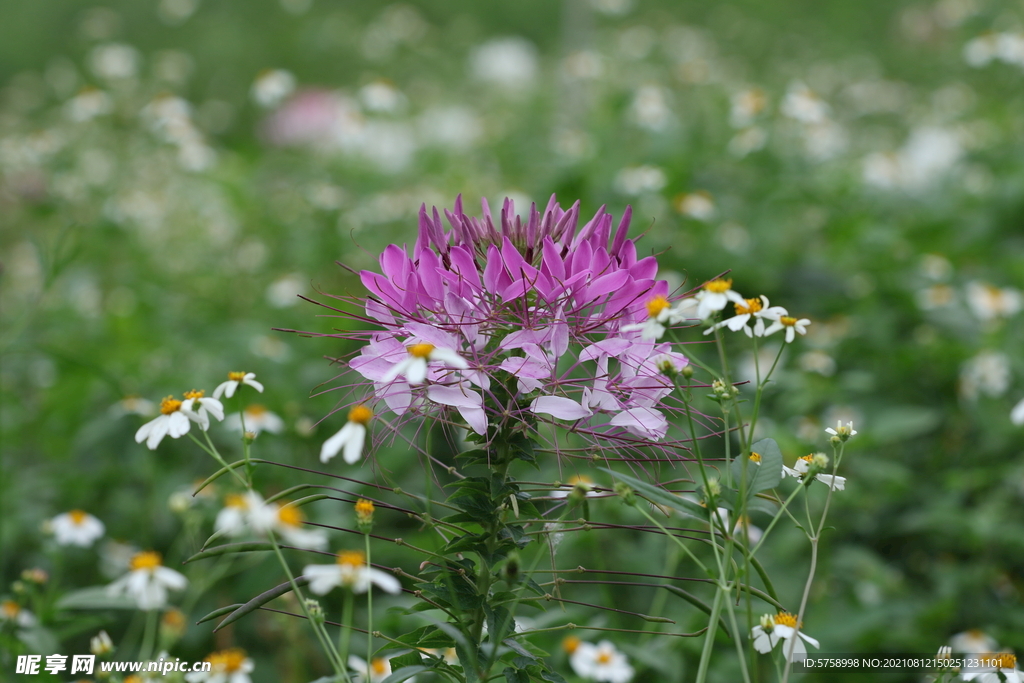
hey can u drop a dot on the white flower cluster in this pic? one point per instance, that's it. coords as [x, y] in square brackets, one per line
[249, 513]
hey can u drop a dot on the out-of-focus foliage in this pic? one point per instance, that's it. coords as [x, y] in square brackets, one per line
[164, 201]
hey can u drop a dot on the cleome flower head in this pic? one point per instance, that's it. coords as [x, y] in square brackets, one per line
[475, 320]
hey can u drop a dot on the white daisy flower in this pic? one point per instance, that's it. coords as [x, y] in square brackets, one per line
[288, 522]
[101, 644]
[843, 432]
[1017, 414]
[448, 654]
[581, 483]
[199, 408]
[171, 421]
[235, 380]
[349, 438]
[803, 465]
[76, 528]
[237, 511]
[742, 526]
[757, 310]
[973, 642]
[989, 302]
[999, 667]
[148, 581]
[781, 628]
[226, 666]
[257, 419]
[601, 662]
[414, 366]
[377, 671]
[12, 612]
[790, 324]
[659, 313]
[349, 571]
[714, 297]
[272, 86]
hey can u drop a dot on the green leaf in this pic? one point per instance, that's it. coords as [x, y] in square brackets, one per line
[761, 477]
[260, 600]
[220, 612]
[408, 659]
[660, 496]
[404, 674]
[698, 603]
[552, 677]
[513, 675]
[247, 547]
[95, 597]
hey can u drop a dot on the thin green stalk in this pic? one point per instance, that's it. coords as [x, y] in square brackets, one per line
[709, 638]
[345, 635]
[369, 607]
[149, 636]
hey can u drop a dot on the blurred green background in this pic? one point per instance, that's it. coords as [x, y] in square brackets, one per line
[174, 174]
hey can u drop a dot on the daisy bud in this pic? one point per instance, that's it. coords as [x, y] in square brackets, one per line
[626, 493]
[767, 623]
[101, 644]
[35, 575]
[713, 489]
[687, 372]
[820, 461]
[316, 612]
[834, 441]
[667, 368]
[364, 514]
[248, 438]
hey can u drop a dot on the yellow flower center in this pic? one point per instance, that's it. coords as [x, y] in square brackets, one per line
[77, 517]
[9, 608]
[570, 643]
[379, 666]
[361, 414]
[133, 679]
[755, 457]
[353, 558]
[236, 376]
[785, 619]
[227, 661]
[145, 560]
[580, 479]
[749, 306]
[236, 500]
[604, 658]
[1004, 660]
[173, 619]
[256, 410]
[808, 458]
[194, 394]
[289, 515]
[420, 350]
[170, 405]
[656, 306]
[364, 509]
[718, 286]
[788, 320]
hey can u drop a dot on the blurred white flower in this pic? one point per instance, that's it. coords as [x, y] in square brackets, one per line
[101, 644]
[987, 373]
[235, 380]
[272, 87]
[226, 666]
[615, 8]
[238, 508]
[636, 180]
[750, 532]
[148, 581]
[88, 104]
[198, 408]
[13, 613]
[257, 420]
[349, 571]
[747, 141]
[76, 528]
[934, 297]
[378, 669]
[133, 405]
[746, 106]
[650, 108]
[996, 668]
[505, 62]
[973, 642]
[802, 104]
[601, 662]
[455, 127]
[114, 61]
[825, 140]
[581, 483]
[583, 65]
[284, 292]
[382, 96]
[1017, 414]
[698, 205]
[817, 361]
[989, 302]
